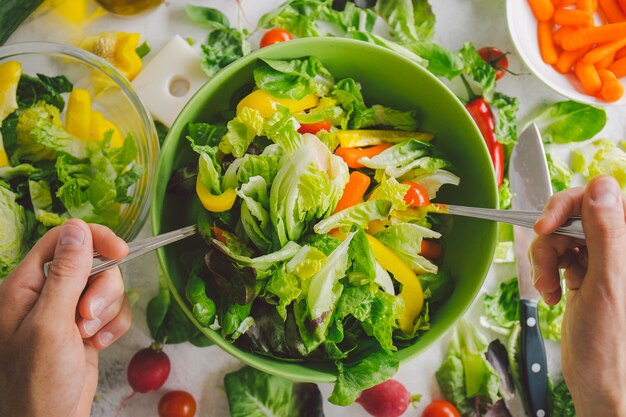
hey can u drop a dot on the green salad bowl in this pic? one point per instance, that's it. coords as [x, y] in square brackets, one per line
[388, 79]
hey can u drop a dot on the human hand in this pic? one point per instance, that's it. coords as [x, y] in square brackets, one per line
[594, 325]
[51, 329]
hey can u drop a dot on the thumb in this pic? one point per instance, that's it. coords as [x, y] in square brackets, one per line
[69, 270]
[605, 229]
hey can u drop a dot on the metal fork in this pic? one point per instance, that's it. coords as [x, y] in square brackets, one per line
[135, 249]
[573, 228]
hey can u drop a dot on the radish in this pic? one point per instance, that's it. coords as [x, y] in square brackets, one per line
[147, 371]
[389, 399]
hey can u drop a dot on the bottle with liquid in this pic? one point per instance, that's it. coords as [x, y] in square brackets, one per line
[129, 7]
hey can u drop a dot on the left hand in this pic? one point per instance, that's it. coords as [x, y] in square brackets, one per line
[51, 329]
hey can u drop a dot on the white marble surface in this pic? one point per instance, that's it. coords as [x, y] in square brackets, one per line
[201, 371]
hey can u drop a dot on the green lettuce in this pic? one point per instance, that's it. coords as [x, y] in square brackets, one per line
[432, 181]
[360, 214]
[307, 187]
[255, 216]
[31, 90]
[253, 393]
[600, 157]
[326, 110]
[391, 190]
[560, 174]
[41, 198]
[282, 129]
[297, 16]
[241, 132]
[410, 158]
[285, 286]
[406, 241]
[570, 121]
[260, 263]
[506, 118]
[562, 403]
[409, 20]
[40, 134]
[294, 79]
[478, 70]
[13, 231]
[22, 170]
[358, 375]
[438, 60]
[466, 374]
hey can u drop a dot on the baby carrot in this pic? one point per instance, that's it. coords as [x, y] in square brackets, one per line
[601, 52]
[589, 78]
[612, 10]
[546, 43]
[598, 34]
[567, 17]
[353, 192]
[622, 3]
[542, 9]
[561, 33]
[612, 90]
[621, 53]
[585, 5]
[567, 59]
[618, 67]
[564, 3]
[605, 62]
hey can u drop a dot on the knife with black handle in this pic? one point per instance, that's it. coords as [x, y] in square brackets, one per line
[531, 189]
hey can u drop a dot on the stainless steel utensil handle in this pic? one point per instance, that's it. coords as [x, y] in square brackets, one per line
[135, 249]
[573, 228]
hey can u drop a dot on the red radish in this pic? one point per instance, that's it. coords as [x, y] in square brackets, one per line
[147, 371]
[389, 399]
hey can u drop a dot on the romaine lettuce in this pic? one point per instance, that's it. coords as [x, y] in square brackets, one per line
[307, 187]
[600, 157]
[360, 214]
[13, 231]
[406, 241]
[241, 132]
[293, 79]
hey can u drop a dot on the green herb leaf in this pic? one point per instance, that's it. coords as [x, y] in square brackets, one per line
[294, 79]
[570, 121]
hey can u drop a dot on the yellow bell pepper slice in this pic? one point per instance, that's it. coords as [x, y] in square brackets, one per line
[215, 203]
[100, 126]
[4, 158]
[361, 138]
[10, 73]
[412, 294]
[128, 62]
[266, 103]
[73, 10]
[118, 48]
[78, 114]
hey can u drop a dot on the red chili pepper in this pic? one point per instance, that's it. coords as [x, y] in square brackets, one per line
[480, 111]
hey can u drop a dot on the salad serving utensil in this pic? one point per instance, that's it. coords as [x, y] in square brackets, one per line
[136, 249]
[524, 218]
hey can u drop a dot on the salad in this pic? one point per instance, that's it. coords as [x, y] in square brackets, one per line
[317, 216]
[57, 161]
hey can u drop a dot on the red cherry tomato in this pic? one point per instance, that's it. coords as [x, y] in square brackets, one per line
[177, 404]
[496, 58]
[313, 128]
[440, 408]
[275, 35]
[417, 196]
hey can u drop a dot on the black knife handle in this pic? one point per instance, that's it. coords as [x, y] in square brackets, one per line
[533, 357]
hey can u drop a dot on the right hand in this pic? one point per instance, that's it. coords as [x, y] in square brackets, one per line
[594, 325]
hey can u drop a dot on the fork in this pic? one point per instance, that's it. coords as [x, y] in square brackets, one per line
[572, 228]
[135, 249]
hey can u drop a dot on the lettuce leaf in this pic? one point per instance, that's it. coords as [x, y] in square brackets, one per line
[600, 157]
[560, 174]
[360, 214]
[409, 20]
[31, 90]
[282, 129]
[255, 216]
[478, 70]
[294, 79]
[253, 393]
[307, 187]
[570, 121]
[241, 132]
[13, 231]
[41, 199]
[406, 241]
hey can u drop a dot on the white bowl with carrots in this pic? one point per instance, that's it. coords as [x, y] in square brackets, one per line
[576, 47]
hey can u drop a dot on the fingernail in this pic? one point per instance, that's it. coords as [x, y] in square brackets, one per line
[71, 235]
[91, 326]
[605, 191]
[96, 307]
[105, 338]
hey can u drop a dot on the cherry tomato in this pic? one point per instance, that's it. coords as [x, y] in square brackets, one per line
[440, 408]
[275, 35]
[496, 58]
[431, 250]
[417, 196]
[177, 404]
[313, 128]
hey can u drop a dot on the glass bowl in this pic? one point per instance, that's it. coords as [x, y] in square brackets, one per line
[113, 96]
